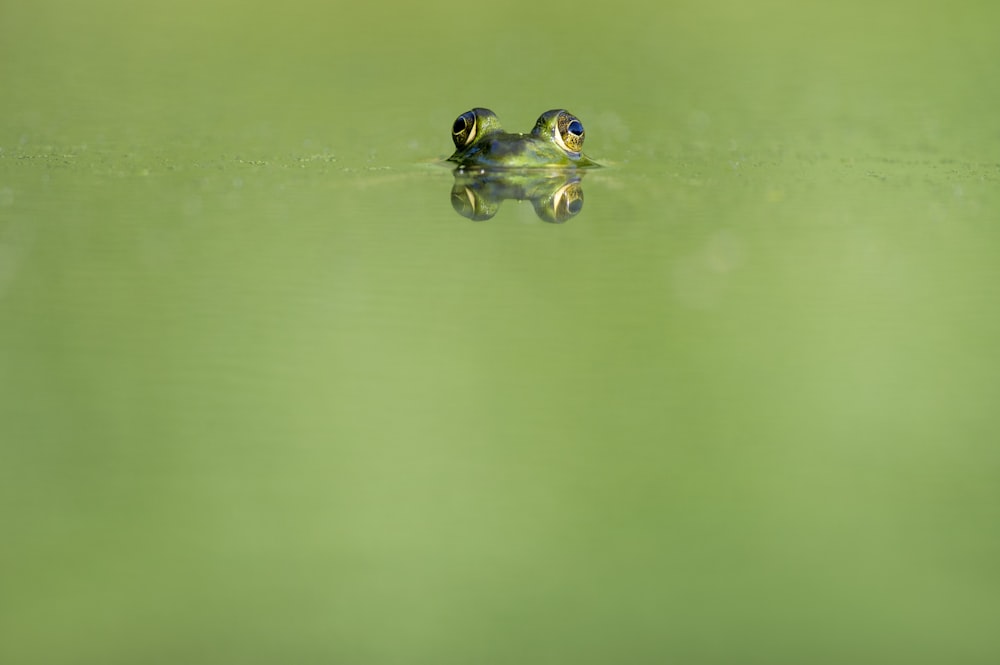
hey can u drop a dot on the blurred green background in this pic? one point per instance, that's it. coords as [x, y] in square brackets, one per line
[264, 396]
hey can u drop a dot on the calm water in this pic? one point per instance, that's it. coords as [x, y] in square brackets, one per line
[266, 397]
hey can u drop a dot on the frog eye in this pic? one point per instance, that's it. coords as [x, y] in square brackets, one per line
[569, 132]
[463, 132]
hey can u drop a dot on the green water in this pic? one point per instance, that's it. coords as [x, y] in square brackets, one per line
[266, 398]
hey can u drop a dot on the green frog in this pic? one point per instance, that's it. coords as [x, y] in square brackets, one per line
[555, 142]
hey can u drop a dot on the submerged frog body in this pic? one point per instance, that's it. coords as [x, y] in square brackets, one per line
[555, 142]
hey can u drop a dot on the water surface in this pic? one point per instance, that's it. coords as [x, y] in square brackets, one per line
[266, 397]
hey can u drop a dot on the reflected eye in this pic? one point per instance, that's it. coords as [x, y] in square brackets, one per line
[569, 132]
[463, 132]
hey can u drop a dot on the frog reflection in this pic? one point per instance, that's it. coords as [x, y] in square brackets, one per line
[556, 195]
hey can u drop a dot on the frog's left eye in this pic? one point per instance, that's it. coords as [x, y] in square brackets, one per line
[569, 132]
[463, 132]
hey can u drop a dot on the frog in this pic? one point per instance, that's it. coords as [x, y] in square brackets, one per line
[555, 142]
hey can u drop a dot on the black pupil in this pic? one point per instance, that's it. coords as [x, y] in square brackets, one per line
[575, 127]
[459, 125]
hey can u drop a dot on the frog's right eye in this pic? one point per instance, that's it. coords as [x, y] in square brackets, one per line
[463, 132]
[569, 132]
